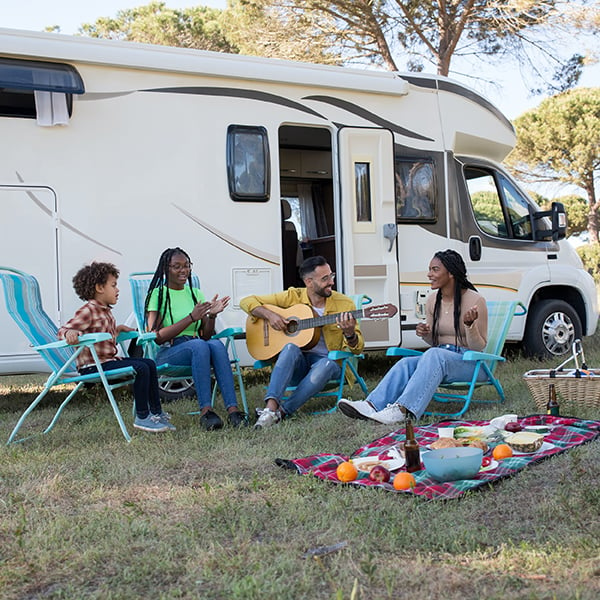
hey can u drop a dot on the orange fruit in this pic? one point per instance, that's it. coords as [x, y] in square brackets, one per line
[502, 451]
[404, 481]
[346, 471]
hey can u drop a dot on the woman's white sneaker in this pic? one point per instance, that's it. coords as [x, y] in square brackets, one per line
[359, 409]
[390, 415]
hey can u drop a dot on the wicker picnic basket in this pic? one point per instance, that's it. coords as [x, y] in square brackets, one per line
[574, 387]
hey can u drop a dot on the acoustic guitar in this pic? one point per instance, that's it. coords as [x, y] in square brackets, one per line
[303, 327]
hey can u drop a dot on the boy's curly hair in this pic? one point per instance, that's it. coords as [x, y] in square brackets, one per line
[88, 277]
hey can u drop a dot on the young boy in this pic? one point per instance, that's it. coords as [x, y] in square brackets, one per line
[97, 283]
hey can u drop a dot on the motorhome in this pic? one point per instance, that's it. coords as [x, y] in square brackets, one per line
[115, 151]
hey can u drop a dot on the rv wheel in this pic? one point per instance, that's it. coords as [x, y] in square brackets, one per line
[173, 390]
[552, 327]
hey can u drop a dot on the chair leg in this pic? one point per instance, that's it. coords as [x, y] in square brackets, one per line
[238, 374]
[27, 412]
[62, 406]
[113, 402]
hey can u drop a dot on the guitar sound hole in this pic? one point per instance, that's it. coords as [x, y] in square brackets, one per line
[292, 327]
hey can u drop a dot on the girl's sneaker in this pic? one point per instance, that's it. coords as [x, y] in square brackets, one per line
[150, 423]
[165, 419]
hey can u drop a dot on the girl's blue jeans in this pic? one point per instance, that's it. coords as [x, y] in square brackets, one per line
[201, 355]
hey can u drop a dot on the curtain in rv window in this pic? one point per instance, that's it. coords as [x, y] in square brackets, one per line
[415, 190]
[36, 89]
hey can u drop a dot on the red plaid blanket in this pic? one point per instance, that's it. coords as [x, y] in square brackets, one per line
[567, 432]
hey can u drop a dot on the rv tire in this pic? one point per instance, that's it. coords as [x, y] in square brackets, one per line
[552, 327]
[174, 390]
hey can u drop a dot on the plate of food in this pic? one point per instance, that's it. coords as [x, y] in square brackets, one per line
[543, 448]
[390, 459]
[456, 443]
[488, 466]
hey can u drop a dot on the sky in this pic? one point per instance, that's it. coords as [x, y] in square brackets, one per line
[510, 94]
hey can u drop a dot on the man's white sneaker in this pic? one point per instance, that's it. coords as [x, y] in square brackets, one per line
[359, 409]
[390, 415]
[268, 418]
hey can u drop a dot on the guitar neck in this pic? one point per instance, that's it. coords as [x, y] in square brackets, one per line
[325, 319]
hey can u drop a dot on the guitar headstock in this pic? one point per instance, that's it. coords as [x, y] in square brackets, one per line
[381, 311]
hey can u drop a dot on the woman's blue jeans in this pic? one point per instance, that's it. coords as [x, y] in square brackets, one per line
[413, 380]
[308, 371]
[200, 355]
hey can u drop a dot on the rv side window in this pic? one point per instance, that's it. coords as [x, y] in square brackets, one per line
[415, 189]
[248, 172]
[32, 89]
[499, 209]
[362, 178]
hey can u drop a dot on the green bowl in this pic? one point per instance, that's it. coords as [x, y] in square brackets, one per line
[452, 464]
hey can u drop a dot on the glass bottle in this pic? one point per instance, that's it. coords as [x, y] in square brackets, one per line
[412, 453]
[552, 406]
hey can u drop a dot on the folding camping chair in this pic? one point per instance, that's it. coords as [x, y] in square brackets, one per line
[349, 365]
[170, 375]
[24, 304]
[500, 315]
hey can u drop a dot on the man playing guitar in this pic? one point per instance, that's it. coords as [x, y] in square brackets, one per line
[306, 367]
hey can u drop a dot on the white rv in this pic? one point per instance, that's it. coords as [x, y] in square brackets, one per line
[115, 151]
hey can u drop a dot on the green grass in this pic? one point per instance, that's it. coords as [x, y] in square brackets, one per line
[208, 515]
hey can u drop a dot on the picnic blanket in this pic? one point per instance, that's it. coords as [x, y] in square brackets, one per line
[566, 433]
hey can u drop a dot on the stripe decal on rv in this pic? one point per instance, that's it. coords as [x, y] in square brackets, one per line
[254, 252]
[368, 116]
[238, 93]
[64, 223]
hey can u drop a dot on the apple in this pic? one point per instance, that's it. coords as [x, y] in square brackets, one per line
[379, 474]
[513, 427]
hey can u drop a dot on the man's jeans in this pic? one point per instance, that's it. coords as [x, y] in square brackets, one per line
[308, 371]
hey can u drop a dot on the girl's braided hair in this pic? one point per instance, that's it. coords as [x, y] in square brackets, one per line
[160, 280]
[455, 265]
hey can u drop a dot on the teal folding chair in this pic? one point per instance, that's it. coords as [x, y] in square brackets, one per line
[24, 304]
[349, 365]
[500, 316]
[175, 380]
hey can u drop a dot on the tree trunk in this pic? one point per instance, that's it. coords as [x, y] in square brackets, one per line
[594, 205]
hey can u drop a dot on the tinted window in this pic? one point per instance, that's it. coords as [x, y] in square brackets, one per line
[415, 189]
[248, 170]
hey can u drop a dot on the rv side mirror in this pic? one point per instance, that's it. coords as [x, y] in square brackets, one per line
[558, 219]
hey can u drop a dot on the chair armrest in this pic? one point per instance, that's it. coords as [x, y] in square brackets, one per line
[473, 355]
[126, 335]
[87, 339]
[402, 352]
[341, 354]
[146, 337]
[228, 332]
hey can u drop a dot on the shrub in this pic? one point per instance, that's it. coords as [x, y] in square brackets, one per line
[590, 256]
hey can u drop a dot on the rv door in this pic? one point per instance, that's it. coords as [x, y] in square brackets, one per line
[368, 239]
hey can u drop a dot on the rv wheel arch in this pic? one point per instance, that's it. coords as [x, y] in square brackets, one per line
[552, 327]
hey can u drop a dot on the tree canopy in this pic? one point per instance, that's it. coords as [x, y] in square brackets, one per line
[198, 27]
[559, 141]
[408, 34]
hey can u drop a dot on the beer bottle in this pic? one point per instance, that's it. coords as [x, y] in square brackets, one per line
[412, 454]
[552, 406]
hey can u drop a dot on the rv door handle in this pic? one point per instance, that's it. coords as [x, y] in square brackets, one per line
[390, 232]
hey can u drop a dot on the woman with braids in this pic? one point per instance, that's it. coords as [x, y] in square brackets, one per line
[456, 321]
[184, 323]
